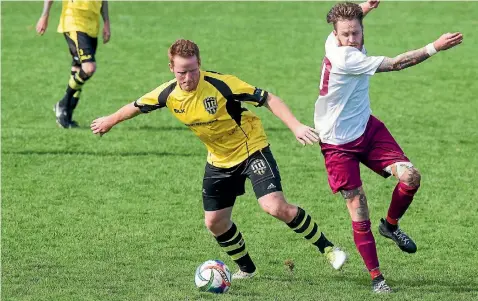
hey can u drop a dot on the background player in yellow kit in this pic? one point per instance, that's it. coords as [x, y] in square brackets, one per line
[80, 23]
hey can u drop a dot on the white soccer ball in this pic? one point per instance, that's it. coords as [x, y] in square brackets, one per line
[213, 276]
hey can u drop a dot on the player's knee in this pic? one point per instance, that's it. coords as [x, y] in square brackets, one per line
[88, 69]
[280, 212]
[412, 177]
[275, 204]
[217, 225]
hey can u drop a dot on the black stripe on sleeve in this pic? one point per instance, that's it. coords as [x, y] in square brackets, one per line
[163, 96]
[162, 99]
[146, 108]
[259, 96]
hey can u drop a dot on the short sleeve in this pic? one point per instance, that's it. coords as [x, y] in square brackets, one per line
[244, 92]
[353, 61]
[155, 99]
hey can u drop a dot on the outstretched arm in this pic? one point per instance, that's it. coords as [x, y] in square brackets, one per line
[106, 22]
[42, 23]
[368, 6]
[304, 134]
[414, 57]
[103, 124]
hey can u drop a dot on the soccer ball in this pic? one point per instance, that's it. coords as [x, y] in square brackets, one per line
[213, 276]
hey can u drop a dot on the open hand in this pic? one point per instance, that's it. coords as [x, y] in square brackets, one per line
[102, 125]
[306, 135]
[448, 40]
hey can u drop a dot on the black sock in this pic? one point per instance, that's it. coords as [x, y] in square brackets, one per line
[233, 244]
[73, 103]
[390, 226]
[306, 226]
[378, 279]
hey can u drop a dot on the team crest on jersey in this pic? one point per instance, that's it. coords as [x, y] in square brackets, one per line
[259, 167]
[210, 104]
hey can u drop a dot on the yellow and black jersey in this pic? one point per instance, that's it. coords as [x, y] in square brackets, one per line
[80, 15]
[214, 113]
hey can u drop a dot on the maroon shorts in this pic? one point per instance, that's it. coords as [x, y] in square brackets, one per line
[376, 149]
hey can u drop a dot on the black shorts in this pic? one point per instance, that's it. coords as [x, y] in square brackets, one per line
[221, 186]
[82, 47]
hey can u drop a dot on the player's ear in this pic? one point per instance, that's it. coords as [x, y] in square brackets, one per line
[171, 67]
[335, 32]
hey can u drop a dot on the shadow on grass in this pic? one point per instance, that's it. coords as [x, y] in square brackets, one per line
[99, 154]
[424, 284]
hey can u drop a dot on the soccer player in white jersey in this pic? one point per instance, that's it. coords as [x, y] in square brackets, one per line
[350, 135]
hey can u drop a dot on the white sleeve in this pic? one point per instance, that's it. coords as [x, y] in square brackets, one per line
[353, 61]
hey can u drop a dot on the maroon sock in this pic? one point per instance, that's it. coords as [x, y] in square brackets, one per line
[402, 197]
[365, 243]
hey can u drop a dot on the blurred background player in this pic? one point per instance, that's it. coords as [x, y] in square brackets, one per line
[79, 23]
[349, 134]
[209, 104]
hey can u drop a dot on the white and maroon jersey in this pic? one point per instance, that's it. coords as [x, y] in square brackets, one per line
[343, 107]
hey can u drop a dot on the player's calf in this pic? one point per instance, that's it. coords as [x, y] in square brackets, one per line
[78, 78]
[233, 244]
[229, 238]
[409, 182]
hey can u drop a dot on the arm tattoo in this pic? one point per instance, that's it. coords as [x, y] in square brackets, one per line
[404, 60]
[104, 11]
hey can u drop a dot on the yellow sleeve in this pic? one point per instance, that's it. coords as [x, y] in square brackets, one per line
[155, 99]
[244, 92]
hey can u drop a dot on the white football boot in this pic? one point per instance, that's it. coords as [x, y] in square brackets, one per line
[243, 275]
[336, 257]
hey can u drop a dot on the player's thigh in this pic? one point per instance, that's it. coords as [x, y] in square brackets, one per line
[72, 46]
[384, 151]
[221, 187]
[86, 46]
[263, 172]
[343, 168]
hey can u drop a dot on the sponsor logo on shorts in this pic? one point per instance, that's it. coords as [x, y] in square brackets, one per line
[271, 186]
[259, 167]
[85, 57]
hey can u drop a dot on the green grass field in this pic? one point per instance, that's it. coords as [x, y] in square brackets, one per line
[120, 217]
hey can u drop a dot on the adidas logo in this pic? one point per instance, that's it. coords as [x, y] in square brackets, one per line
[271, 186]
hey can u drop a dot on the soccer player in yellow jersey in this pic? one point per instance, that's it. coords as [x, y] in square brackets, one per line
[80, 23]
[210, 104]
